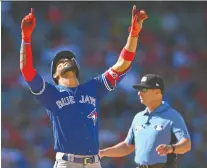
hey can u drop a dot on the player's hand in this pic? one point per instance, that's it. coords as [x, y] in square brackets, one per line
[164, 149]
[28, 25]
[138, 18]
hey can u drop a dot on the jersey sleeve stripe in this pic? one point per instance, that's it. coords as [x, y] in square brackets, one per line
[41, 91]
[106, 83]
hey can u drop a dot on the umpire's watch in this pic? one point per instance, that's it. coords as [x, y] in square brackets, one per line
[173, 148]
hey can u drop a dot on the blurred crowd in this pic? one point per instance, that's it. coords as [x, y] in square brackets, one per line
[173, 44]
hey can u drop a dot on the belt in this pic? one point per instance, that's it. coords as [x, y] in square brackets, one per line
[157, 165]
[78, 158]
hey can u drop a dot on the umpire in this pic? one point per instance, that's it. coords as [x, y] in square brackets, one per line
[157, 134]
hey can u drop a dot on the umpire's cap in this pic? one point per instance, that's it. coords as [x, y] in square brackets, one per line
[151, 81]
[64, 54]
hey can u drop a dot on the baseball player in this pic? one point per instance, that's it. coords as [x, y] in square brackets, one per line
[74, 108]
[157, 133]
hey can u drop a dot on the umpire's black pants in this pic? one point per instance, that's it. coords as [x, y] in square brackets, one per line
[166, 165]
[171, 165]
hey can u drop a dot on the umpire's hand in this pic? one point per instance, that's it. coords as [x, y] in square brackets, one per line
[164, 149]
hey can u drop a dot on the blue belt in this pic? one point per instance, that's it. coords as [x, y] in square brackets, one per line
[83, 160]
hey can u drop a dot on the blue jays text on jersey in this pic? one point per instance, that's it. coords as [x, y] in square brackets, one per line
[68, 100]
[74, 112]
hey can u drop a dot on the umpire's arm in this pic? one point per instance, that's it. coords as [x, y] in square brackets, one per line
[183, 146]
[124, 148]
[180, 130]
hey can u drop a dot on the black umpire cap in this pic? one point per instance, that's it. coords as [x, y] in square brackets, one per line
[150, 81]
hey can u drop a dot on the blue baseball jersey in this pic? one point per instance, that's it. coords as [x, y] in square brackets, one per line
[148, 130]
[74, 112]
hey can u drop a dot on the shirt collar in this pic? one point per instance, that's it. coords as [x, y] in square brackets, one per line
[162, 107]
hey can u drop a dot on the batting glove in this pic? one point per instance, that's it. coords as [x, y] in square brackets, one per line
[28, 25]
[137, 20]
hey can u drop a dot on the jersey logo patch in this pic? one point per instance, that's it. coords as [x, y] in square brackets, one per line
[139, 127]
[158, 127]
[113, 74]
[93, 115]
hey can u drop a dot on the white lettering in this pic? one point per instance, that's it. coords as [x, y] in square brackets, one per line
[59, 104]
[82, 99]
[87, 99]
[65, 101]
[72, 101]
[68, 100]
[93, 101]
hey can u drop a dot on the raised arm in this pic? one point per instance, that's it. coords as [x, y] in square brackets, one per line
[26, 64]
[128, 53]
[118, 71]
[40, 88]
[111, 77]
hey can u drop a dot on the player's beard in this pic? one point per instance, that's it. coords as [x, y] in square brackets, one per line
[67, 69]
